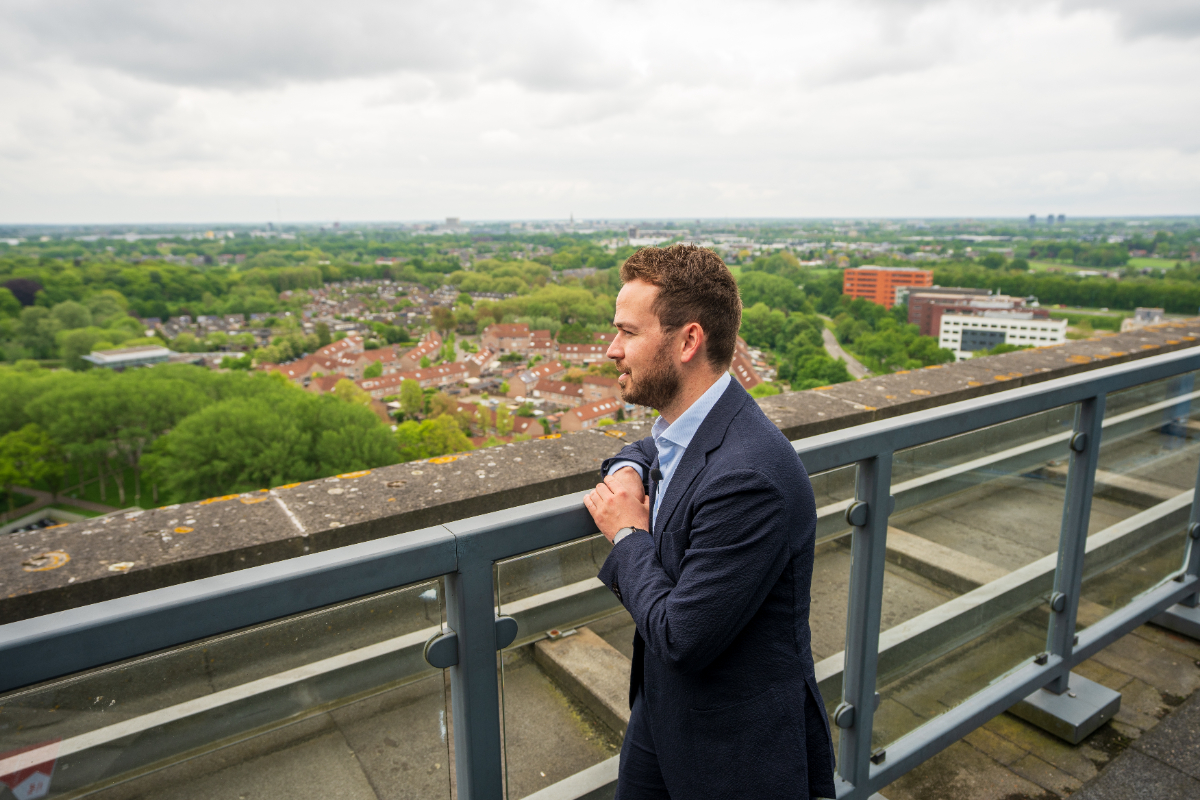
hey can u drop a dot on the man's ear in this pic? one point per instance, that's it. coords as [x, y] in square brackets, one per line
[692, 342]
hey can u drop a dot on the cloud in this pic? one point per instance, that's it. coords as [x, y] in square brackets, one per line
[1176, 19]
[241, 45]
[367, 109]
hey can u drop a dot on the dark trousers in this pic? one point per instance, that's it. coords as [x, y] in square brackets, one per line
[639, 777]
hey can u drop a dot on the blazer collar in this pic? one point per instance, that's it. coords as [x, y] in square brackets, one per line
[708, 437]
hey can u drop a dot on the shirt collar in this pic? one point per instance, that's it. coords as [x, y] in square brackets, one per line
[681, 431]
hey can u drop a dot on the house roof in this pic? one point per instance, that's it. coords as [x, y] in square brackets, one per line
[559, 387]
[596, 409]
[507, 329]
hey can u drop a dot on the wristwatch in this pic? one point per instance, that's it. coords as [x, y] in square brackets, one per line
[621, 534]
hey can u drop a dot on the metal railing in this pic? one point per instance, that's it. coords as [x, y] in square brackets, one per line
[465, 552]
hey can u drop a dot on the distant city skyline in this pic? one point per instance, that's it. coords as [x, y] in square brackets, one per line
[145, 111]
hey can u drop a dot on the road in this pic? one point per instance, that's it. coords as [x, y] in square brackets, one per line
[835, 350]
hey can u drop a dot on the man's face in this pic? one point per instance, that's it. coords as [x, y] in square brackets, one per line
[643, 352]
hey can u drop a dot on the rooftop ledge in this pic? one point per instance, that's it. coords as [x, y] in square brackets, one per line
[126, 553]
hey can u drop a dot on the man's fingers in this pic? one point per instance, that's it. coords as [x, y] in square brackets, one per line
[603, 492]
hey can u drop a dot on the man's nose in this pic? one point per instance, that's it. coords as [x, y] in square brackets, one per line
[615, 351]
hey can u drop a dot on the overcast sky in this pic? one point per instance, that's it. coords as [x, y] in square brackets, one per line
[162, 111]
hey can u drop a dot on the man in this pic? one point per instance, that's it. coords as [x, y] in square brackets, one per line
[713, 523]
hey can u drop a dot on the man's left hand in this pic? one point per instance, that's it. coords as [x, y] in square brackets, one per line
[613, 505]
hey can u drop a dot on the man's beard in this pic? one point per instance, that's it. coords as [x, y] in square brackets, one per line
[655, 386]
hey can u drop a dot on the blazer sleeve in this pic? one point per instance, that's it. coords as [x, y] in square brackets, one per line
[642, 452]
[739, 546]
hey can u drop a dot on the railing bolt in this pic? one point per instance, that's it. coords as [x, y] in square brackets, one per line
[1194, 530]
[1058, 602]
[878, 757]
[843, 715]
[856, 514]
[1041, 658]
[1079, 442]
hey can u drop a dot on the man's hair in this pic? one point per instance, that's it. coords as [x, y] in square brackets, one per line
[694, 285]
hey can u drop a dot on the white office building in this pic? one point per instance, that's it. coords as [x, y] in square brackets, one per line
[967, 334]
[129, 357]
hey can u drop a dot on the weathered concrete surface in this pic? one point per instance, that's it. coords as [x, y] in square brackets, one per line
[1009, 758]
[959, 571]
[123, 554]
[592, 671]
[548, 736]
[1163, 763]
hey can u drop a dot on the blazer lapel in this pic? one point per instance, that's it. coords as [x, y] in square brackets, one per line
[707, 438]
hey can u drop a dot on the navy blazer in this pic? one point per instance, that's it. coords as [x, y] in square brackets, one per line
[719, 591]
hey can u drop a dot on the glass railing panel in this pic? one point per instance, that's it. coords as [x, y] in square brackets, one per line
[1149, 454]
[560, 718]
[338, 701]
[972, 511]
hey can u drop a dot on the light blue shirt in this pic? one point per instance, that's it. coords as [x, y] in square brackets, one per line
[672, 440]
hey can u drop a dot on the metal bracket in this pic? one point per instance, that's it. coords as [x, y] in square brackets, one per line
[441, 651]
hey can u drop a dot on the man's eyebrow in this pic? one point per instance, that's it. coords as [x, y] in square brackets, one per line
[625, 326]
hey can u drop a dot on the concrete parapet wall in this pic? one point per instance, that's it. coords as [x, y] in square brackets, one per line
[122, 554]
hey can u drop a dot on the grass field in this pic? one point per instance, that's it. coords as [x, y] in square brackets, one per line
[1045, 266]
[91, 489]
[1154, 263]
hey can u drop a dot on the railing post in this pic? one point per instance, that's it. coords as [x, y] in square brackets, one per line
[869, 517]
[475, 696]
[1191, 558]
[1071, 706]
[1184, 617]
[1072, 540]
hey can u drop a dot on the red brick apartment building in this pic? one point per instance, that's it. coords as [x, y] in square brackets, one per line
[879, 284]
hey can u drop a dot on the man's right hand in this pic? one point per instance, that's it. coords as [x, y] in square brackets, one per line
[628, 479]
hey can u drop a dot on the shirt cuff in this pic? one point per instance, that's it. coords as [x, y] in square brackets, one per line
[618, 465]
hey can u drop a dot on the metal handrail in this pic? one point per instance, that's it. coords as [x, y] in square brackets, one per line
[465, 552]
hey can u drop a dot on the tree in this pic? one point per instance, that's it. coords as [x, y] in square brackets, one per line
[412, 399]
[28, 457]
[10, 306]
[574, 334]
[373, 370]
[443, 404]
[348, 391]
[231, 362]
[425, 362]
[278, 435]
[433, 437]
[443, 319]
[71, 315]
[504, 420]
[323, 337]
